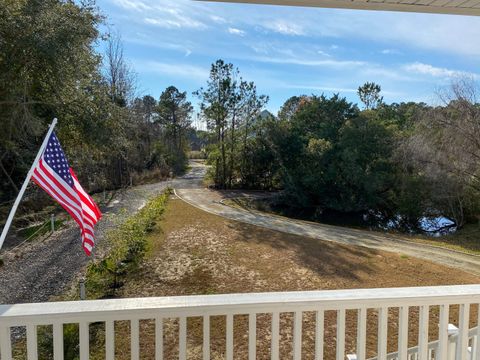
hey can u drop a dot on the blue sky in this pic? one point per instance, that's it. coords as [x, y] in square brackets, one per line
[292, 50]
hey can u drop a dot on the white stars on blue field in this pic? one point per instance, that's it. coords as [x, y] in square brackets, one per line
[56, 159]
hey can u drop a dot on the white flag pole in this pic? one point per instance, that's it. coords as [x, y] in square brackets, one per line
[25, 184]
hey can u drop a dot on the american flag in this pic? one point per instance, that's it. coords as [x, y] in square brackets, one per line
[54, 175]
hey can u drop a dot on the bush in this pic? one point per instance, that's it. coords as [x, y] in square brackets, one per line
[128, 247]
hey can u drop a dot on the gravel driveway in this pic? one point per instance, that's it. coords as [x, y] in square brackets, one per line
[35, 271]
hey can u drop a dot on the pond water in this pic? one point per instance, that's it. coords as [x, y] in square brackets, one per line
[435, 226]
[431, 226]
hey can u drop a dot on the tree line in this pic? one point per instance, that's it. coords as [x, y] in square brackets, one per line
[49, 67]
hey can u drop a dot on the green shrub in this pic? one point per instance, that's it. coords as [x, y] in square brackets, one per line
[128, 245]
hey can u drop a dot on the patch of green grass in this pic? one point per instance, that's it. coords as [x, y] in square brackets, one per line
[128, 246]
[465, 240]
[35, 231]
[403, 256]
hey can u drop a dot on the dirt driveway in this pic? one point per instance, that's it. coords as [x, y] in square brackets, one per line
[211, 201]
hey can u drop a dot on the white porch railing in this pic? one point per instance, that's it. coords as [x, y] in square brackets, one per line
[433, 347]
[384, 303]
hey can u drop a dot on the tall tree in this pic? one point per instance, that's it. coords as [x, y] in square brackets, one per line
[174, 113]
[118, 73]
[47, 63]
[217, 101]
[445, 146]
[369, 94]
[228, 103]
[252, 106]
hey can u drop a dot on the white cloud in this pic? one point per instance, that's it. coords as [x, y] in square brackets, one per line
[309, 62]
[284, 27]
[177, 22]
[322, 88]
[132, 4]
[235, 31]
[323, 53]
[427, 69]
[166, 14]
[391, 52]
[174, 70]
[218, 19]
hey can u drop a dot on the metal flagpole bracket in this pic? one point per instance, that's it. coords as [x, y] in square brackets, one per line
[8, 223]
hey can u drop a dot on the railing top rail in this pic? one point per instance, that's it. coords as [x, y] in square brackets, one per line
[274, 301]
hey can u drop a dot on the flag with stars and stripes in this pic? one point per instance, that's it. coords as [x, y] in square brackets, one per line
[54, 175]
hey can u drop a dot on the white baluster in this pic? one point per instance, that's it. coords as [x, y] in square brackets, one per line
[452, 341]
[135, 339]
[5, 343]
[84, 340]
[275, 354]
[473, 349]
[206, 337]
[229, 337]
[109, 340]
[183, 338]
[319, 334]
[402, 333]
[297, 335]
[159, 338]
[442, 353]
[361, 333]
[32, 342]
[58, 341]
[423, 333]
[252, 336]
[382, 332]
[462, 342]
[341, 334]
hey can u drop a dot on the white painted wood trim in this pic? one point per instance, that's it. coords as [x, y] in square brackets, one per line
[142, 308]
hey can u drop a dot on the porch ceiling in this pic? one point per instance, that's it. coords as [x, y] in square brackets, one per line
[455, 7]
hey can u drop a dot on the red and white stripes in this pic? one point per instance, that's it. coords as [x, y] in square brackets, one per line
[74, 200]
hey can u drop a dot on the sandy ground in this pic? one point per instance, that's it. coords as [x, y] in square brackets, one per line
[200, 253]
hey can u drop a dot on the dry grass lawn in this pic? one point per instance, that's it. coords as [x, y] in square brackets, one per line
[199, 253]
